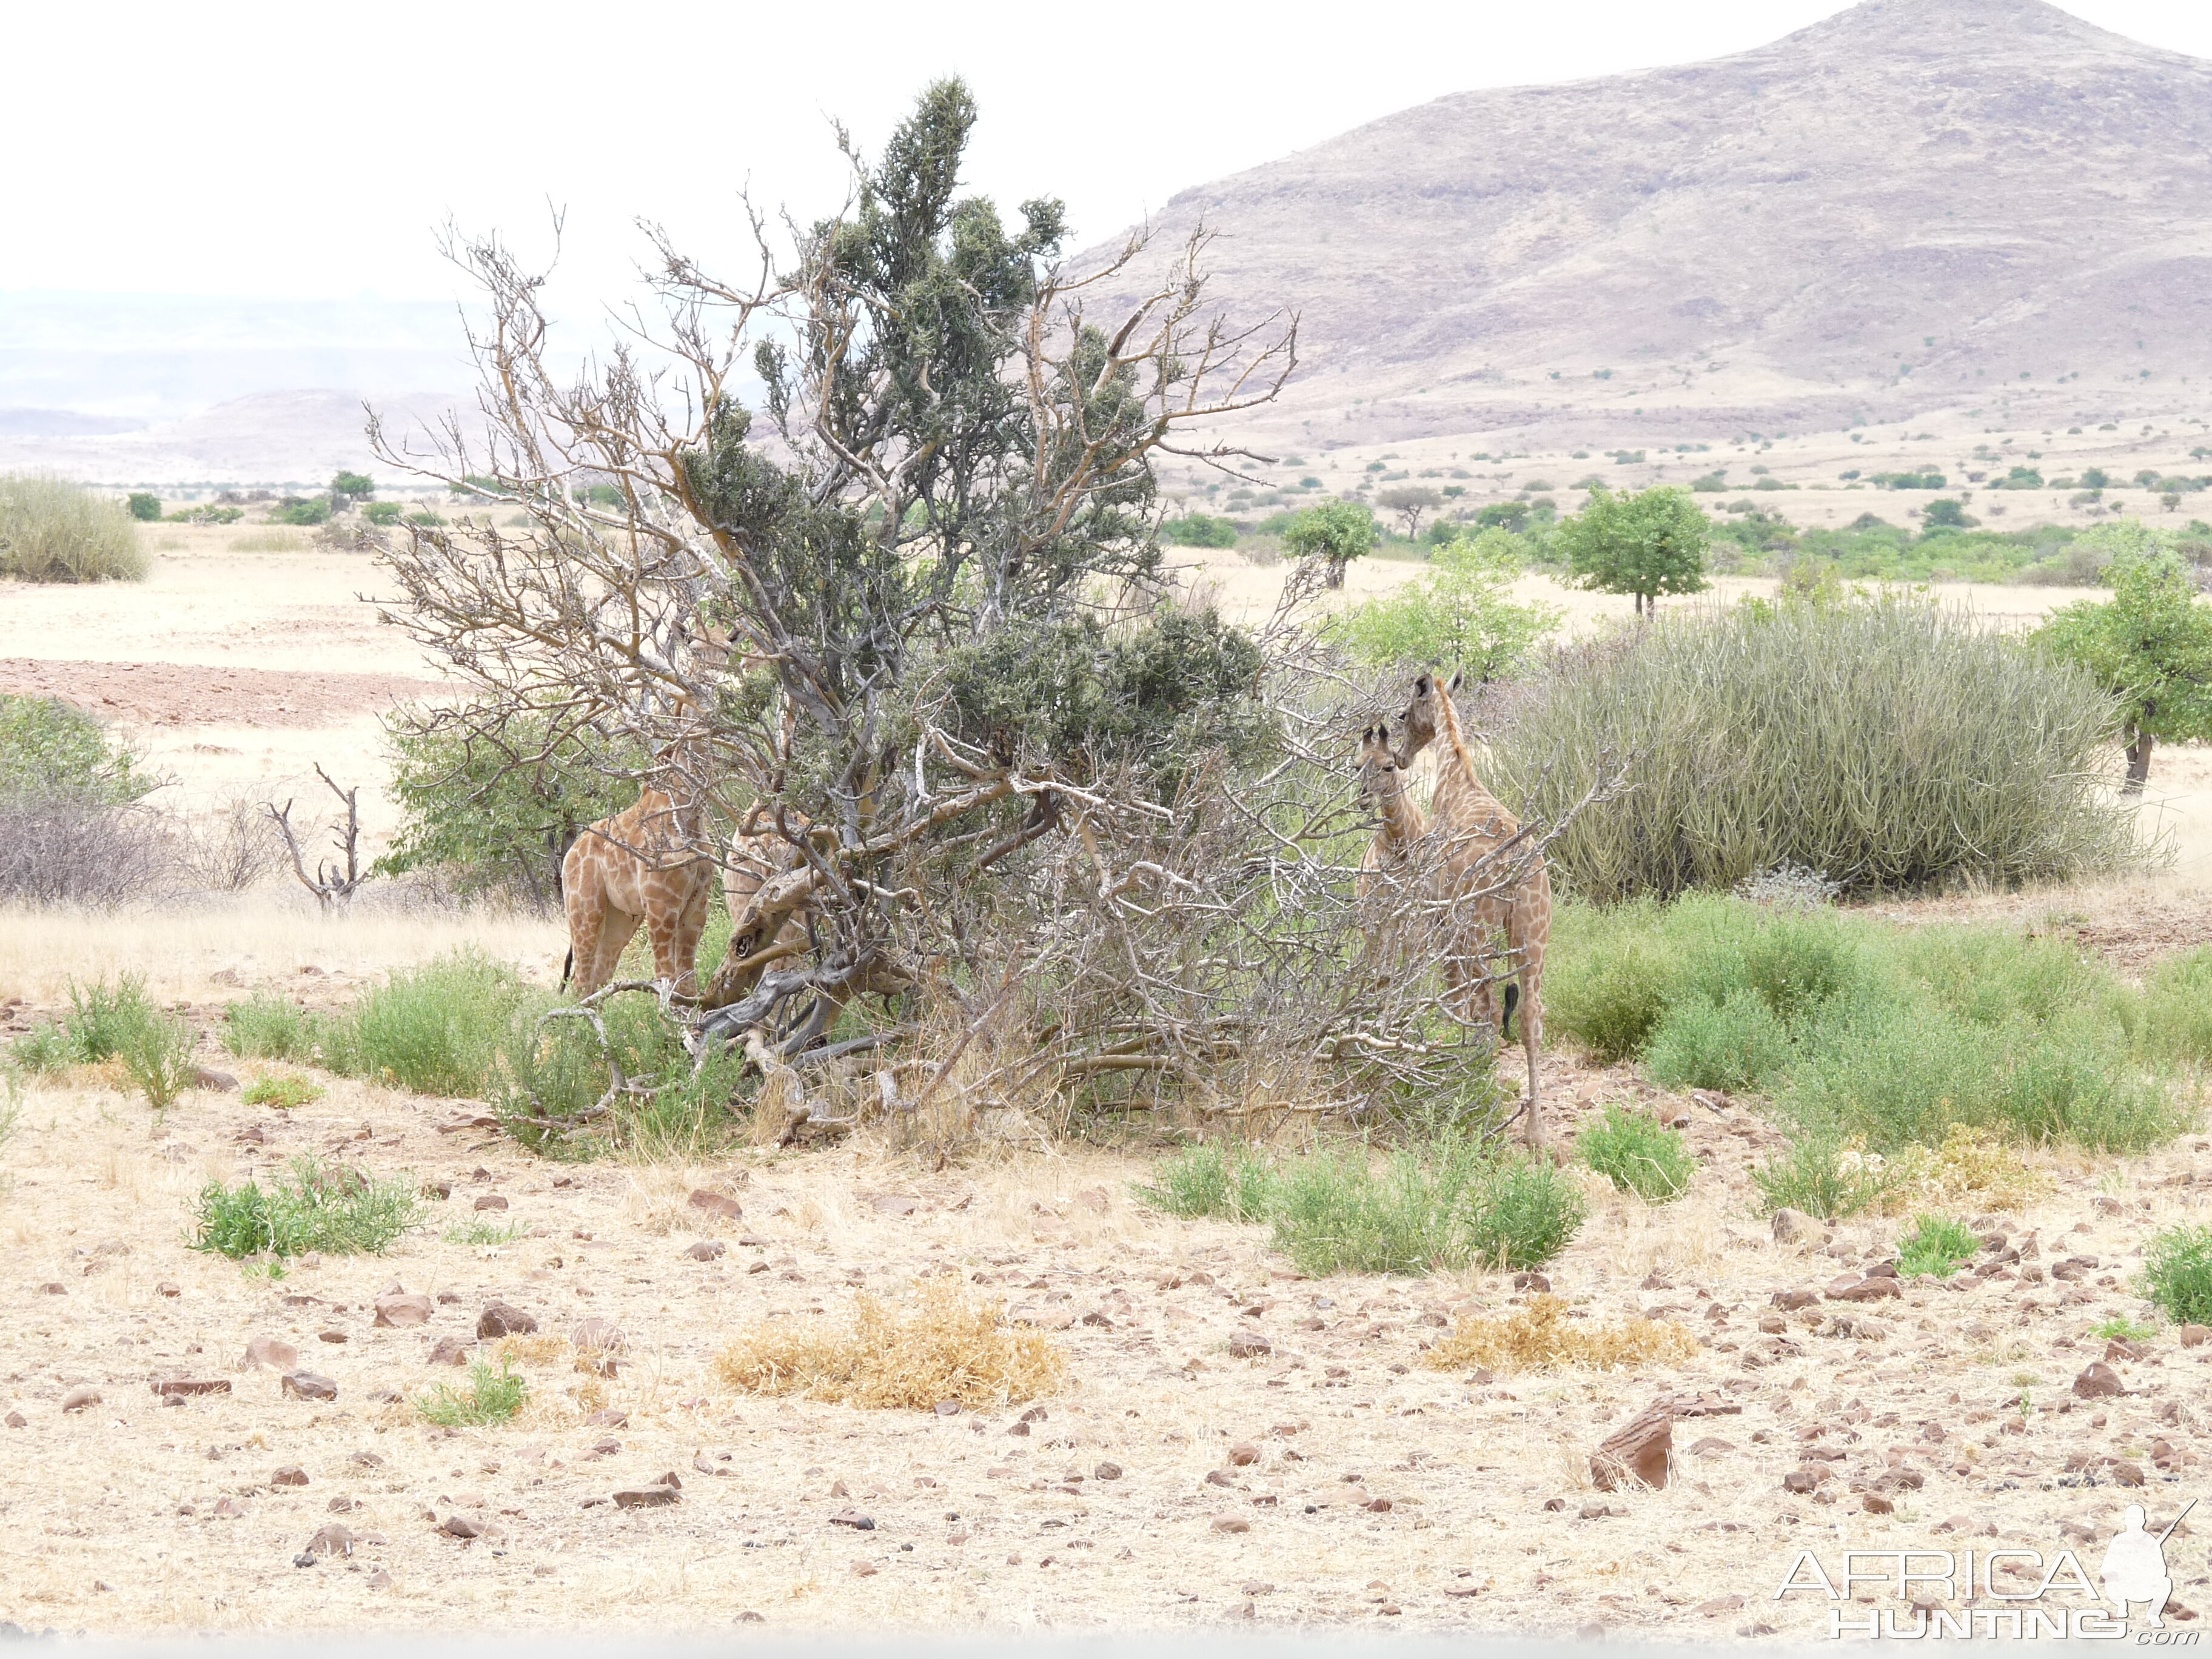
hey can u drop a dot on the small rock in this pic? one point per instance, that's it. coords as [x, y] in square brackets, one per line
[1791, 1301]
[853, 1519]
[2194, 1336]
[1872, 1287]
[645, 1497]
[720, 1204]
[864, 1569]
[1595, 1511]
[17, 1420]
[1720, 1604]
[270, 1351]
[1793, 1227]
[2099, 1381]
[1532, 1281]
[438, 1189]
[948, 1408]
[707, 1249]
[229, 1509]
[330, 1336]
[608, 1418]
[306, 1385]
[181, 1387]
[1249, 1344]
[1800, 1480]
[2125, 1473]
[398, 1311]
[597, 1336]
[53, 1287]
[460, 1526]
[332, 1540]
[380, 1580]
[164, 1288]
[490, 1201]
[499, 1319]
[1231, 1523]
[291, 1475]
[78, 1398]
[1243, 1455]
[894, 1204]
[1875, 1503]
[202, 1078]
[1641, 1449]
[1107, 1472]
[450, 1350]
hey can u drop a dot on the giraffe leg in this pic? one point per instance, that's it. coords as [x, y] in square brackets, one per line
[1532, 1040]
[615, 932]
[675, 940]
[584, 906]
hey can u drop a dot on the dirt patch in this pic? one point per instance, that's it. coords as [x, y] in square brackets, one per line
[171, 694]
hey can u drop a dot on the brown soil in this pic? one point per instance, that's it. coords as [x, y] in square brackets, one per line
[166, 693]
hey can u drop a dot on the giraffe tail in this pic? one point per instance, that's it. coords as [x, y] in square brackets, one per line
[1512, 1001]
[567, 966]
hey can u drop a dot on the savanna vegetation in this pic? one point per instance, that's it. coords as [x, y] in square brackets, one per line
[54, 531]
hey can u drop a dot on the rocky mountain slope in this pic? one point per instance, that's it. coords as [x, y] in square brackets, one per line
[1913, 205]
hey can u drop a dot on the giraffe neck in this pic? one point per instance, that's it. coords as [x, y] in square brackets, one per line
[1401, 819]
[1460, 791]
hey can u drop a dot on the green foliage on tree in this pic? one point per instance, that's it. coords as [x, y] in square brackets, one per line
[1197, 529]
[144, 506]
[1458, 614]
[50, 750]
[1336, 532]
[348, 488]
[493, 805]
[1946, 514]
[2150, 645]
[380, 513]
[1409, 502]
[314, 510]
[1646, 544]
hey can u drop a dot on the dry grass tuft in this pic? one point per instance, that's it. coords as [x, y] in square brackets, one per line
[944, 1347]
[1541, 1338]
[540, 1350]
[1971, 1168]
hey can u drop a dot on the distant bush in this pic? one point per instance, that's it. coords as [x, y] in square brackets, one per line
[1197, 529]
[1459, 612]
[53, 530]
[1638, 1154]
[313, 510]
[52, 750]
[381, 513]
[1886, 745]
[144, 506]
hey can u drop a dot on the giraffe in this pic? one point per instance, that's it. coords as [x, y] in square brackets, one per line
[757, 858]
[1475, 828]
[1403, 826]
[641, 865]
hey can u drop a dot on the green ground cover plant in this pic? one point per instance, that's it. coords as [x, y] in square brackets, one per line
[492, 1397]
[1638, 1154]
[1936, 1247]
[315, 1206]
[2178, 1274]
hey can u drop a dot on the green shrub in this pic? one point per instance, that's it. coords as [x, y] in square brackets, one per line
[266, 1027]
[1197, 529]
[2177, 1023]
[1609, 979]
[436, 1030]
[327, 1207]
[2178, 1274]
[157, 1057]
[1936, 1247]
[1206, 1183]
[492, 1396]
[283, 1091]
[116, 1021]
[1821, 1177]
[381, 513]
[1887, 745]
[315, 510]
[550, 1071]
[144, 506]
[2119, 1328]
[53, 530]
[51, 751]
[1638, 1154]
[1460, 612]
[1737, 1046]
[1522, 1214]
[43, 1049]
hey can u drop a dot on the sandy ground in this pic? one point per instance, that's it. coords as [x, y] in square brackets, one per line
[123, 1514]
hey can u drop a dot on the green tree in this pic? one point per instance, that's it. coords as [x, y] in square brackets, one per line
[348, 488]
[1197, 529]
[53, 751]
[382, 513]
[144, 506]
[1335, 531]
[1947, 515]
[1646, 544]
[1408, 502]
[1459, 612]
[2150, 645]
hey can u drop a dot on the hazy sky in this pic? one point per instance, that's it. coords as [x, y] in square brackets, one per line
[310, 151]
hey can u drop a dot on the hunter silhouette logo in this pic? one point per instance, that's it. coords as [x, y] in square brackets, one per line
[2135, 1565]
[2019, 1593]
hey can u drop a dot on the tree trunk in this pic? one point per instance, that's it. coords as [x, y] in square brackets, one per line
[1335, 578]
[2139, 750]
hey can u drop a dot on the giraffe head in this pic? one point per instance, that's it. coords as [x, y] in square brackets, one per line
[1428, 713]
[1379, 775]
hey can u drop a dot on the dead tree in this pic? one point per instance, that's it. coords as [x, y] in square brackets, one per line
[335, 881]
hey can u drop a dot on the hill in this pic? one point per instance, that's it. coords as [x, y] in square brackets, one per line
[1912, 204]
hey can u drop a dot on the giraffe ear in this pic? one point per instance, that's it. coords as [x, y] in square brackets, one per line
[1421, 685]
[1458, 680]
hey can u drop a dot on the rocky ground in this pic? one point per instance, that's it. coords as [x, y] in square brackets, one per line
[1236, 1441]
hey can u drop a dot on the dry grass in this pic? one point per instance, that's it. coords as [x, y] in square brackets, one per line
[1972, 1169]
[1542, 1337]
[946, 1346]
[254, 939]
